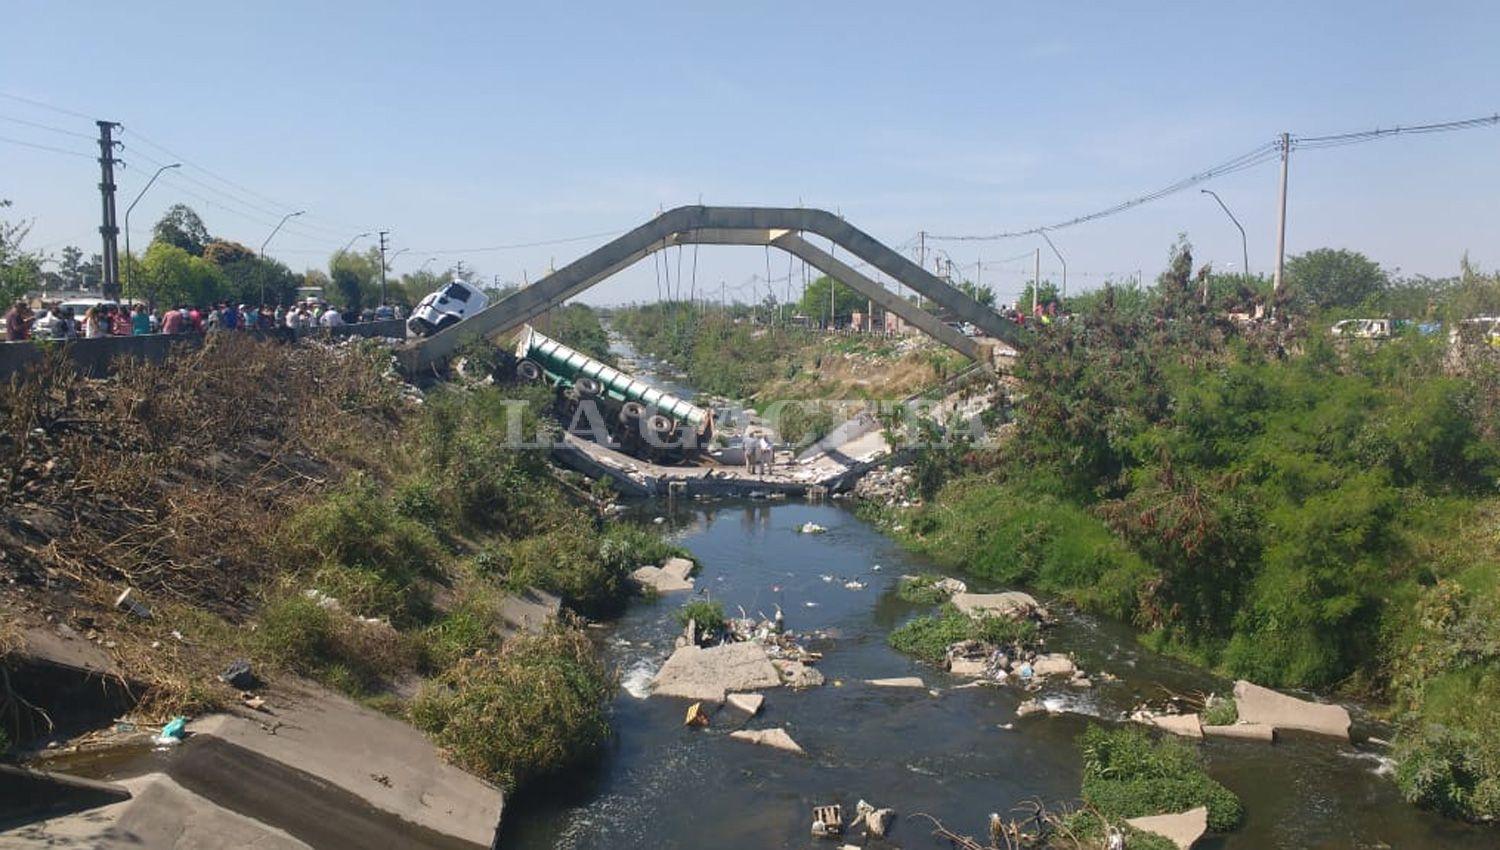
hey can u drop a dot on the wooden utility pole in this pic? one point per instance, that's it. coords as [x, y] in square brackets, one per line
[1036, 279]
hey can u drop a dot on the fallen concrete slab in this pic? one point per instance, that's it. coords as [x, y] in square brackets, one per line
[529, 610]
[967, 666]
[1053, 664]
[679, 568]
[387, 764]
[1012, 603]
[1242, 731]
[899, 682]
[1183, 829]
[159, 814]
[27, 794]
[1186, 725]
[774, 738]
[1269, 708]
[708, 674]
[659, 580]
[748, 703]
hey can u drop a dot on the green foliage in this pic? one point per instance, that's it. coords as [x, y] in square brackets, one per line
[577, 326]
[171, 275]
[18, 267]
[1454, 771]
[347, 287]
[1127, 774]
[929, 637]
[814, 301]
[368, 556]
[801, 423]
[181, 228]
[535, 708]
[921, 589]
[296, 633]
[1328, 278]
[707, 614]
[586, 565]
[719, 354]
[1221, 711]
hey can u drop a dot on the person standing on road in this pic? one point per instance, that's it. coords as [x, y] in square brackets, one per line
[140, 323]
[331, 319]
[172, 322]
[18, 322]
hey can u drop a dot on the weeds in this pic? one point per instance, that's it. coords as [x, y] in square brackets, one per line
[921, 589]
[534, 708]
[1127, 774]
[928, 637]
[705, 613]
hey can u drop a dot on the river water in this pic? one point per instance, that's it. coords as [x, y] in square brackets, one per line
[663, 785]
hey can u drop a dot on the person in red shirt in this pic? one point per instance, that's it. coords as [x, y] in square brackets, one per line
[195, 320]
[172, 322]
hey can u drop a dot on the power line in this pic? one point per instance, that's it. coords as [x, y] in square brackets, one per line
[518, 245]
[1249, 159]
[48, 127]
[41, 147]
[41, 105]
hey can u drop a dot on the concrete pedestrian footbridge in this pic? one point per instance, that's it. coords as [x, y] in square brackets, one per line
[778, 227]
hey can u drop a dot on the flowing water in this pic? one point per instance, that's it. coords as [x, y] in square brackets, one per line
[663, 785]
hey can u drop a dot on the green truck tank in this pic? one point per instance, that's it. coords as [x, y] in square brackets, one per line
[643, 419]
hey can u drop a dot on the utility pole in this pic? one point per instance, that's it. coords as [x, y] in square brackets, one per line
[108, 230]
[922, 258]
[383, 234]
[1286, 155]
[1036, 279]
[1064, 297]
[723, 306]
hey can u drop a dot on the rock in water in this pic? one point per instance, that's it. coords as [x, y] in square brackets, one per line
[708, 674]
[748, 703]
[1258, 705]
[774, 738]
[1182, 829]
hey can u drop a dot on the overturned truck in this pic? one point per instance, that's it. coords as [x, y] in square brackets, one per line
[636, 417]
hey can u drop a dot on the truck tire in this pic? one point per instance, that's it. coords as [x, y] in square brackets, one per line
[529, 370]
[632, 411]
[588, 387]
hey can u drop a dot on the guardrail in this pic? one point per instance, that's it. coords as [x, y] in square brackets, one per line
[95, 357]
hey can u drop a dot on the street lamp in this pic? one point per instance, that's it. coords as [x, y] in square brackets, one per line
[267, 242]
[129, 261]
[350, 244]
[425, 264]
[1060, 260]
[1244, 244]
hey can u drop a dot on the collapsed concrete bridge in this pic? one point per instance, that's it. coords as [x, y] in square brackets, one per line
[778, 227]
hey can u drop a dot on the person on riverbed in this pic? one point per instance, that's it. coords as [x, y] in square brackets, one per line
[765, 453]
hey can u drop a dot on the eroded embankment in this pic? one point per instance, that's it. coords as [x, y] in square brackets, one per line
[300, 509]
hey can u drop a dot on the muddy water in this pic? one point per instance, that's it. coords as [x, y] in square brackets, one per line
[661, 785]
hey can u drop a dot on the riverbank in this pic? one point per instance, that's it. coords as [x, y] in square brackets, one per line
[299, 509]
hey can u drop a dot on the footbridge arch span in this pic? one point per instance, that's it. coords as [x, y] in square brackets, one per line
[778, 227]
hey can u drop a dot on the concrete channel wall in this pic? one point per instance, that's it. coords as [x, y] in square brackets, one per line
[94, 357]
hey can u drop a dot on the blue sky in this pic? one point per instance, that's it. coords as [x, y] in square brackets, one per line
[467, 124]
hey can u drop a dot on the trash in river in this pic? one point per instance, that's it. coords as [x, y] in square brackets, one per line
[826, 577]
[130, 601]
[828, 821]
[659, 520]
[877, 821]
[252, 701]
[238, 675]
[171, 734]
[696, 716]
[854, 584]
[811, 528]
[811, 604]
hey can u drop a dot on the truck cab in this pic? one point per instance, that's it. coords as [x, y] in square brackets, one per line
[448, 305]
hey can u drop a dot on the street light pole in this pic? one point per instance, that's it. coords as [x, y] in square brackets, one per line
[267, 242]
[1060, 259]
[425, 264]
[1244, 243]
[129, 261]
[350, 243]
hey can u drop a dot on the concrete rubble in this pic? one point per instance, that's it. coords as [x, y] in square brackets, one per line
[675, 574]
[1182, 829]
[709, 674]
[1242, 731]
[1013, 604]
[1186, 725]
[748, 703]
[828, 821]
[900, 682]
[774, 738]
[876, 821]
[1263, 706]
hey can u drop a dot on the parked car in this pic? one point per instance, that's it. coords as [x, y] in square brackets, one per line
[445, 307]
[1363, 328]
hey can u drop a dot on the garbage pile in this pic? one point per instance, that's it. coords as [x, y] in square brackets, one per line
[891, 486]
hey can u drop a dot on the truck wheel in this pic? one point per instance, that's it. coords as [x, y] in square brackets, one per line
[588, 387]
[632, 411]
[529, 370]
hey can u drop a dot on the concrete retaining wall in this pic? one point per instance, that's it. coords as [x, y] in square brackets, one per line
[94, 357]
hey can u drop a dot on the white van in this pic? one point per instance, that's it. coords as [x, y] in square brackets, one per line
[448, 305]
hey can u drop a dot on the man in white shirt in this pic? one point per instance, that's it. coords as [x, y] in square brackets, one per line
[331, 318]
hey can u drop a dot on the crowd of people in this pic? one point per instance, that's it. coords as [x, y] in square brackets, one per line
[57, 321]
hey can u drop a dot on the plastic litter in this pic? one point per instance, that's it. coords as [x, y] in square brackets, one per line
[171, 734]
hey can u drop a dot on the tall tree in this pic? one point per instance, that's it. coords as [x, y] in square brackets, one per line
[18, 267]
[1334, 278]
[222, 252]
[182, 227]
[68, 266]
[814, 301]
[347, 287]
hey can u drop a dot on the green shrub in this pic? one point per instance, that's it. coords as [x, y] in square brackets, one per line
[536, 707]
[921, 589]
[929, 637]
[566, 561]
[1127, 774]
[707, 614]
[1221, 711]
[417, 499]
[297, 634]
[1450, 770]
